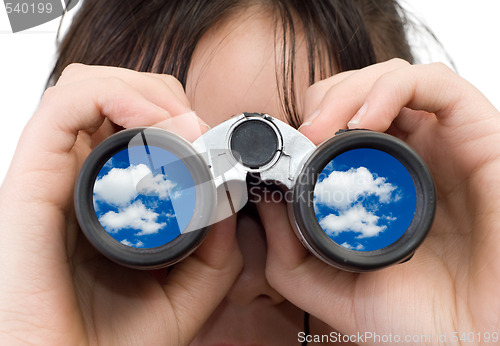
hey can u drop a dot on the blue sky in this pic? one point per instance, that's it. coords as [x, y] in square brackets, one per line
[144, 196]
[364, 199]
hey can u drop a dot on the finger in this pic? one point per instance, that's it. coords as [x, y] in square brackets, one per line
[64, 111]
[432, 88]
[408, 121]
[283, 245]
[316, 92]
[342, 100]
[188, 125]
[198, 284]
[163, 90]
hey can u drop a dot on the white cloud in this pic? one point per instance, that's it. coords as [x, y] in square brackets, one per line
[341, 189]
[356, 219]
[390, 218]
[157, 185]
[121, 185]
[357, 247]
[136, 244]
[135, 216]
[176, 195]
[118, 186]
[398, 197]
[109, 164]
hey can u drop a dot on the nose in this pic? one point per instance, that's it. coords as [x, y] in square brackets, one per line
[252, 284]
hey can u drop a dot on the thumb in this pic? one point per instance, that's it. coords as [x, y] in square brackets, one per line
[304, 280]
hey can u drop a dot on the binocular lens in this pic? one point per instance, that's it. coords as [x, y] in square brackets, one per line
[145, 198]
[139, 206]
[364, 199]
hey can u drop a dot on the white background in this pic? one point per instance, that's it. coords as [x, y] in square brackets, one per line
[469, 31]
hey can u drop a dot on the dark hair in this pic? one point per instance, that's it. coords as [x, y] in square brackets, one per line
[160, 36]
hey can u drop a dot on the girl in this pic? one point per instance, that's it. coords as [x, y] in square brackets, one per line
[321, 65]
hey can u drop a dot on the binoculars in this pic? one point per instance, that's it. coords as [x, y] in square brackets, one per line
[360, 201]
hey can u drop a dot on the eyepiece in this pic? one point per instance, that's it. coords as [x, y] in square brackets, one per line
[144, 198]
[363, 201]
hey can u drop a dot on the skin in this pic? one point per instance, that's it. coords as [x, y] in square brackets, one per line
[55, 289]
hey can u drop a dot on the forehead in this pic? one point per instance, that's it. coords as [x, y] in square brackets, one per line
[236, 67]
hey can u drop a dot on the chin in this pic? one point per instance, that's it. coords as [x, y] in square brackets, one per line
[261, 323]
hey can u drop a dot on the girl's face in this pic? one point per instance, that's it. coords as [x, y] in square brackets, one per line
[233, 71]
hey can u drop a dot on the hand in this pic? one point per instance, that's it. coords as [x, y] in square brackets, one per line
[451, 283]
[55, 288]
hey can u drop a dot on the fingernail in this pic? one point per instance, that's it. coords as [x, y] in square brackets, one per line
[309, 119]
[162, 110]
[312, 116]
[204, 124]
[201, 122]
[358, 117]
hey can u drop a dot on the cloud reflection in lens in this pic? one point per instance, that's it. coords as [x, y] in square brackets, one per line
[364, 199]
[143, 206]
